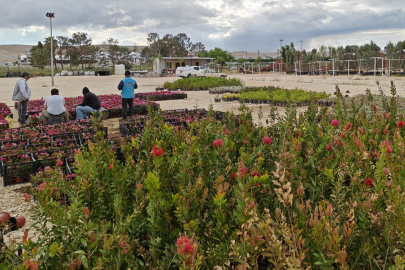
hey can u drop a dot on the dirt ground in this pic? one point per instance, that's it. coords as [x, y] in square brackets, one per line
[10, 197]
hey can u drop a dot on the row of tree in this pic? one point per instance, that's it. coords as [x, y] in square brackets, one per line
[364, 52]
[79, 50]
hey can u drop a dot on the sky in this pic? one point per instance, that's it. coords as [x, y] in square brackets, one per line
[232, 25]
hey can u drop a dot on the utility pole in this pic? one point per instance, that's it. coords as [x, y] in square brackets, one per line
[51, 15]
[281, 54]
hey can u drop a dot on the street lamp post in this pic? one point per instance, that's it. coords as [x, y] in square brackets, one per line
[51, 15]
[281, 54]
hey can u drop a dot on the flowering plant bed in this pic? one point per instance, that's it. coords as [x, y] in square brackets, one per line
[41, 139]
[4, 124]
[30, 133]
[39, 147]
[14, 143]
[195, 84]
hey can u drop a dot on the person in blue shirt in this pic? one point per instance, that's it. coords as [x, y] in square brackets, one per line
[128, 86]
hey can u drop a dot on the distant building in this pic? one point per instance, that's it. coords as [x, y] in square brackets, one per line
[169, 64]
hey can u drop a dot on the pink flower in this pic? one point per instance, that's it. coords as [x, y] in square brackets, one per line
[400, 124]
[217, 143]
[334, 122]
[266, 140]
[387, 115]
[111, 166]
[59, 162]
[329, 147]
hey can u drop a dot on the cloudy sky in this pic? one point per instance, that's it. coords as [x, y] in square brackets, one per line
[234, 25]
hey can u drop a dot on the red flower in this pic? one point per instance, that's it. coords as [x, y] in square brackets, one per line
[255, 173]
[400, 124]
[233, 176]
[369, 182]
[329, 147]
[59, 162]
[243, 170]
[111, 166]
[226, 131]
[387, 115]
[348, 126]
[157, 151]
[374, 107]
[217, 142]
[334, 122]
[266, 140]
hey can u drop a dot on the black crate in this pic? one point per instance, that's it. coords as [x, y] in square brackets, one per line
[17, 173]
[32, 148]
[65, 137]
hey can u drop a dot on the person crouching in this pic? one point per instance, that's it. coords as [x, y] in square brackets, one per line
[54, 106]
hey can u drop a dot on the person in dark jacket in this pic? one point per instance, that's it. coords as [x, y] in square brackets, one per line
[90, 104]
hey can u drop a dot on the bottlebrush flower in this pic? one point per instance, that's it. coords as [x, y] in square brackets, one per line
[157, 151]
[369, 182]
[217, 142]
[266, 140]
[86, 211]
[334, 122]
[111, 166]
[255, 173]
[329, 146]
[59, 162]
[400, 124]
[187, 249]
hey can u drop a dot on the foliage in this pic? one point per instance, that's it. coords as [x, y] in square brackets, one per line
[302, 193]
[198, 83]
[179, 45]
[276, 94]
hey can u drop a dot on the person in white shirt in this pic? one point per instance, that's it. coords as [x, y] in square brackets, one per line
[22, 94]
[54, 106]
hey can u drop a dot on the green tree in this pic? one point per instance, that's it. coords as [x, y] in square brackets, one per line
[82, 45]
[39, 57]
[47, 46]
[221, 56]
[63, 45]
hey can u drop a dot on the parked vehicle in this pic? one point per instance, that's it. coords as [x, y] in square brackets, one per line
[210, 73]
[188, 71]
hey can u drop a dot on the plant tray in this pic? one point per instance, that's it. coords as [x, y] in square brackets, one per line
[18, 173]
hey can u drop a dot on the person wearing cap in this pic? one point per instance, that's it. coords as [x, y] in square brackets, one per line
[128, 86]
[54, 106]
[22, 94]
[90, 104]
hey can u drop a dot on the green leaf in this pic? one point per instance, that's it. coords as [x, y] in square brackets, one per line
[80, 252]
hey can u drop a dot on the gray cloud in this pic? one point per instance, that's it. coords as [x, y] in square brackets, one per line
[231, 24]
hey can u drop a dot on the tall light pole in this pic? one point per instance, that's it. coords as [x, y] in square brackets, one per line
[281, 54]
[301, 57]
[51, 15]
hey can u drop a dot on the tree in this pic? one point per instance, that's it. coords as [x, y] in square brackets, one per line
[63, 45]
[83, 47]
[198, 47]
[113, 50]
[39, 56]
[47, 46]
[153, 43]
[221, 56]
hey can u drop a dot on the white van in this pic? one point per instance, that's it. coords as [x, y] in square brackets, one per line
[188, 71]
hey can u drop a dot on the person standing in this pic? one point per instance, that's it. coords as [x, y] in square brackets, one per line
[90, 104]
[54, 106]
[128, 86]
[22, 94]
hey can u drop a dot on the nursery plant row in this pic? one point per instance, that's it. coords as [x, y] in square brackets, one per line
[112, 103]
[161, 95]
[26, 150]
[199, 84]
[5, 116]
